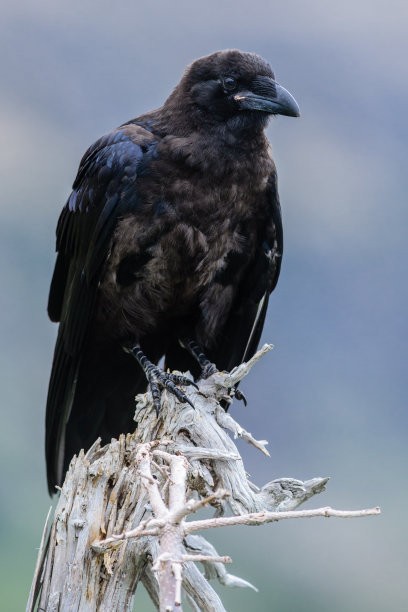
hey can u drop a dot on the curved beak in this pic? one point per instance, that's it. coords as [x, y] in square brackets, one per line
[270, 97]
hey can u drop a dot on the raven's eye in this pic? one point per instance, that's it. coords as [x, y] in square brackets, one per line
[229, 83]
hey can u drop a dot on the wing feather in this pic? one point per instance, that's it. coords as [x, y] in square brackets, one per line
[104, 190]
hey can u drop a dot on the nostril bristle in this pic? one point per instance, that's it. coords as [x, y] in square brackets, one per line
[264, 86]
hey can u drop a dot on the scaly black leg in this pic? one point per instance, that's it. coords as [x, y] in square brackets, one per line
[207, 367]
[158, 378]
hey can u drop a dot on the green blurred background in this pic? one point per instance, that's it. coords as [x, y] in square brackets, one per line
[331, 397]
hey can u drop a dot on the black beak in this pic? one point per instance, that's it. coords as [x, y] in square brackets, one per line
[268, 96]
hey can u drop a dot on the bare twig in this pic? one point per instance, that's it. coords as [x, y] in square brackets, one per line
[259, 518]
[207, 558]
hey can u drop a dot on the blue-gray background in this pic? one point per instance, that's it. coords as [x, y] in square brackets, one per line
[331, 397]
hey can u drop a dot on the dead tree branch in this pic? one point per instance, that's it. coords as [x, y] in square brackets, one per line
[122, 516]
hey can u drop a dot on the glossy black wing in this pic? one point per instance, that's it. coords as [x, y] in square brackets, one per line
[242, 332]
[103, 191]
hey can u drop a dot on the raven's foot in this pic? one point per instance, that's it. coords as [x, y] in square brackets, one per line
[158, 379]
[208, 367]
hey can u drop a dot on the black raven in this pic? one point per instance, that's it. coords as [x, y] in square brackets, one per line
[168, 245]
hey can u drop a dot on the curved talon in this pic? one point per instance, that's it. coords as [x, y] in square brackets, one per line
[240, 396]
[182, 397]
[182, 380]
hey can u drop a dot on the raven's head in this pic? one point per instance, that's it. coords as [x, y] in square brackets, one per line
[233, 88]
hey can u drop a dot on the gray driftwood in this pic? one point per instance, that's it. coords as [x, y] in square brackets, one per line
[121, 518]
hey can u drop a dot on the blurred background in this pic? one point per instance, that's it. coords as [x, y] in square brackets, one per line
[331, 397]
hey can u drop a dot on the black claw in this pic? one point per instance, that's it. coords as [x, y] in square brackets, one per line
[240, 397]
[171, 386]
[183, 380]
[190, 402]
[183, 398]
